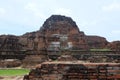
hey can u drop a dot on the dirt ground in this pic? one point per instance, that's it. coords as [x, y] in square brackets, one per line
[11, 78]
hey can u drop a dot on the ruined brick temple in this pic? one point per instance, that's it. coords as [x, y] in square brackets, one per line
[57, 32]
[60, 39]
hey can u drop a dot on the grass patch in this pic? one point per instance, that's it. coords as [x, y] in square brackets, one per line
[13, 72]
[100, 50]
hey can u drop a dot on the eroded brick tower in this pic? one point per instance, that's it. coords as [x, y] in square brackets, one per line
[62, 33]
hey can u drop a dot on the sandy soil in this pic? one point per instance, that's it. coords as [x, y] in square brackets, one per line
[11, 78]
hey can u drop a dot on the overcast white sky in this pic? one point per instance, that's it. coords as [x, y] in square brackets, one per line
[94, 17]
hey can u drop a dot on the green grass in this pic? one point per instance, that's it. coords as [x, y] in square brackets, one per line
[100, 50]
[13, 72]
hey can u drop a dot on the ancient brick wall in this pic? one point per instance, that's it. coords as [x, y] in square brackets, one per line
[75, 71]
[115, 45]
[96, 42]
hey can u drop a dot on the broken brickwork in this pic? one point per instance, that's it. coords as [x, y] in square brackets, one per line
[75, 71]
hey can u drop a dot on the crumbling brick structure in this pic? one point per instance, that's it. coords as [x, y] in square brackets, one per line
[115, 45]
[57, 32]
[75, 71]
[62, 32]
[56, 35]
